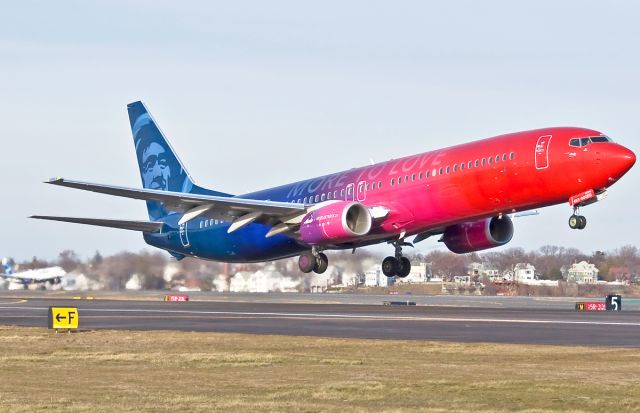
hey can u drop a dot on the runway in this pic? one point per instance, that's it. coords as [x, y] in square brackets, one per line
[500, 324]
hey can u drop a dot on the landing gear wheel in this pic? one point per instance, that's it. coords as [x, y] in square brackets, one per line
[577, 222]
[390, 266]
[306, 262]
[405, 267]
[582, 222]
[574, 221]
[322, 262]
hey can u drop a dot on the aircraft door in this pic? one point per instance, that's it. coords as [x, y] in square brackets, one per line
[542, 152]
[184, 236]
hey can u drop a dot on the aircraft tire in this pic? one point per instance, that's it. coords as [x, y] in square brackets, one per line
[574, 221]
[390, 266]
[582, 222]
[322, 262]
[405, 267]
[306, 262]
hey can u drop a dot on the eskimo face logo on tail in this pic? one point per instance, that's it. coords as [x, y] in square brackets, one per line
[159, 167]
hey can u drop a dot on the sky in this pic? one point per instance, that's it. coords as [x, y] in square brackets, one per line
[255, 94]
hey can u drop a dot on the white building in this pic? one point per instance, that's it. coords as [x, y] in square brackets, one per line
[262, 281]
[76, 281]
[583, 273]
[375, 278]
[134, 283]
[419, 274]
[479, 270]
[524, 273]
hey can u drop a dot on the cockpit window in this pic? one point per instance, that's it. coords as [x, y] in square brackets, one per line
[579, 142]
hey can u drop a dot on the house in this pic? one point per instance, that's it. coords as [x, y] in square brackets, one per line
[419, 274]
[524, 273]
[582, 273]
[76, 281]
[375, 278]
[480, 270]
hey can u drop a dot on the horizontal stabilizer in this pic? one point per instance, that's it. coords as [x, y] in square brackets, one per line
[144, 226]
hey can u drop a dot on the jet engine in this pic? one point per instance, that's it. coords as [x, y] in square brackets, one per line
[337, 222]
[478, 235]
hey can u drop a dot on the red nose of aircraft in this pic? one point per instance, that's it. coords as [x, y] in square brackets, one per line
[619, 160]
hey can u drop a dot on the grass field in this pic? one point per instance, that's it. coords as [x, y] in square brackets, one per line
[169, 371]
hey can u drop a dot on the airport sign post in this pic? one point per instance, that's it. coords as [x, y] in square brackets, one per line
[63, 318]
[614, 302]
[176, 297]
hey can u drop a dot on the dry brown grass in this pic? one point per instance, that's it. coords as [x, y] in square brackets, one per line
[168, 371]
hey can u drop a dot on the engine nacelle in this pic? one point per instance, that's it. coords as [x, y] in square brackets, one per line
[341, 221]
[478, 235]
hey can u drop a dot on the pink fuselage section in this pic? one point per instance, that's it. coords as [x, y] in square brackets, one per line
[499, 175]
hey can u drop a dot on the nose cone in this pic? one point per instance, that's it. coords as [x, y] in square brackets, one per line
[619, 160]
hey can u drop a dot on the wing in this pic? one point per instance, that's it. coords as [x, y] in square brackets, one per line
[282, 216]
[143, 226]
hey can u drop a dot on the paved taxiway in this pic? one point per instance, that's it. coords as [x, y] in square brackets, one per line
[497, 323]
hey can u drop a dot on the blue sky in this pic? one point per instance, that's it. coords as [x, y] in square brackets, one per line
[255, 94]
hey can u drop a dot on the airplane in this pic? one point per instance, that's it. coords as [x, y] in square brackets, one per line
[464, 193]
[52, 275]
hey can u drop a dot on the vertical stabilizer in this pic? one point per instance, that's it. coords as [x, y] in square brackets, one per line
[160, 167]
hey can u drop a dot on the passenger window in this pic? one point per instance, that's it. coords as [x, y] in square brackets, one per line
[328, 195]
[305, 199]
[469, 165]
[379, 184]
[317, 198]
[392, 181]
[322, 197]
[512, 155]
[477, 163]
[489, 160]
[427, 174]
[448, 169]
[504, 156]
[335, 194]
[497, 158]
[440, 171]
[484, 161]
[406, 178]
[211, 222]
[455, 168]
[462, 166]
[420, 175]
[342, 193]
[200, 224]
[413, 177]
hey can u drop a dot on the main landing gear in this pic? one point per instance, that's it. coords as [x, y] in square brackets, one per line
[314, 261]
[398, 265]
[577, 221]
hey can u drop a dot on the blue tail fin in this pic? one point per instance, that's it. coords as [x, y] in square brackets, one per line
[160, 167]
[7, 264]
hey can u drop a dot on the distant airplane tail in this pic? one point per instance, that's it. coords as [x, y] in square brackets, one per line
[160, 167]
[7, 265]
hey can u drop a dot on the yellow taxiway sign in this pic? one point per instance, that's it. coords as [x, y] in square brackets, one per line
[63, 317]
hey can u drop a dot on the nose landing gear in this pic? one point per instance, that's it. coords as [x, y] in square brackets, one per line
[397, 265]
[577, 221]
